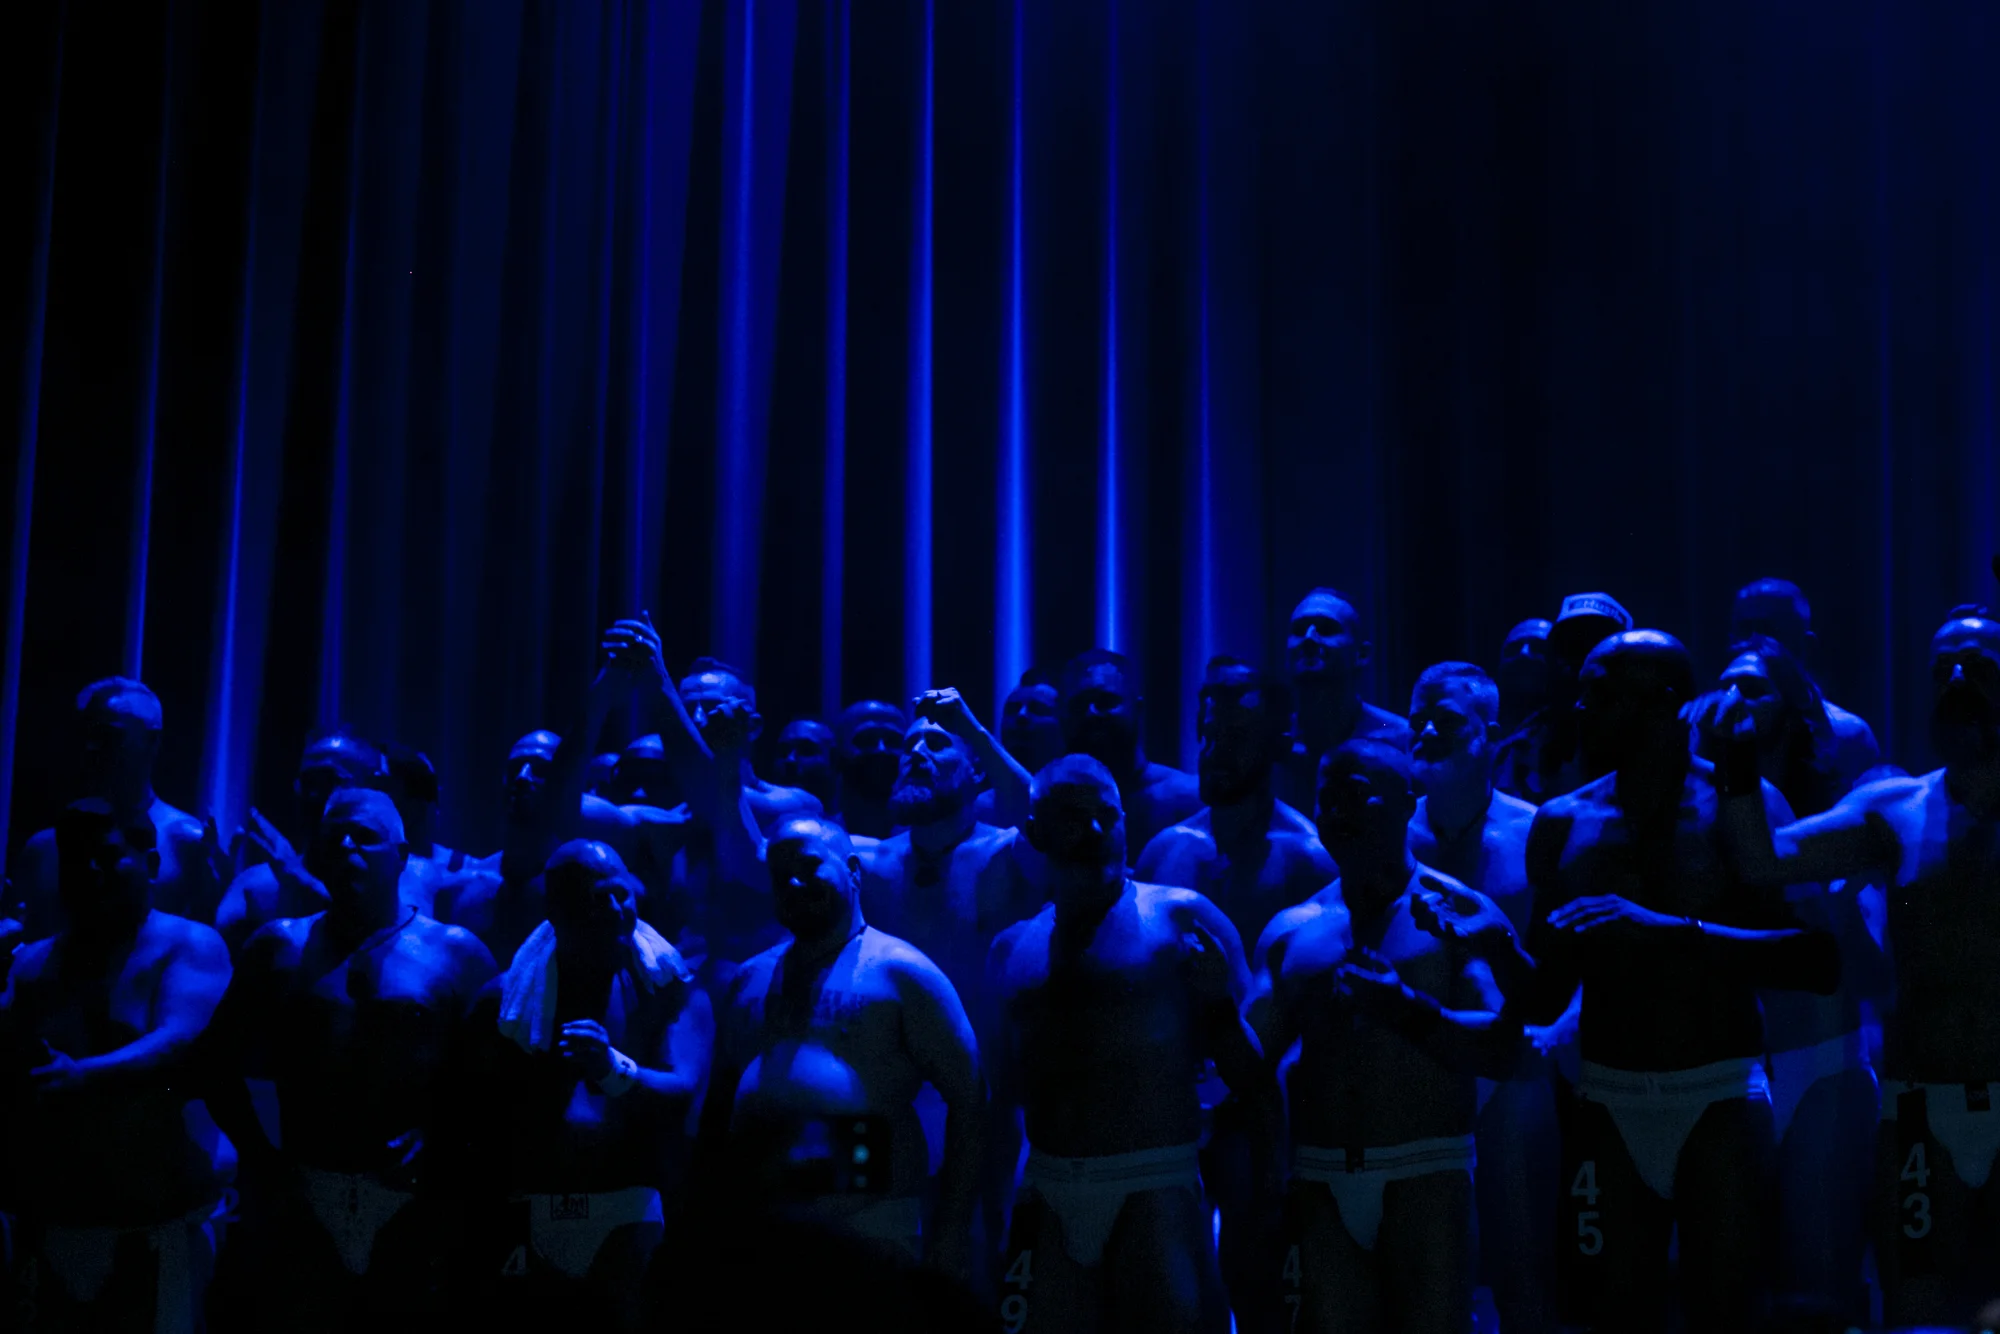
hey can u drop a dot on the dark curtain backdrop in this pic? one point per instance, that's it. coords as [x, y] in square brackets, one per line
[364, 356]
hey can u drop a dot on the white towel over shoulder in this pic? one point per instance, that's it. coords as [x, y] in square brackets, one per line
[528, 992]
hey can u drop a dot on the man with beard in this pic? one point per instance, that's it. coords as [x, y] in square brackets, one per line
[1102, 713]
[1325, 654]
[840, 1025]
[1935, 842]
[587, 1057]
[1525, 675]
[867, 750]
[1480, 837]
[282, 885]
[353, 1011]
[120, 725]
[1030, 731]
[110, 1191]
[1107, 1003]
[805, 760]
[1393, 1025]
[1674, 1127]
[1252, 856]
[1776, 610]
[1539, 759]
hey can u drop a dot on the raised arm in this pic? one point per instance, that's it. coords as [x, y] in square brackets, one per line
[1008, 780]
[1852, 839]
[939, 1039]
[637, 644]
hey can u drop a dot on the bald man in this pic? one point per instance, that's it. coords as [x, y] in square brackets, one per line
[867, 751]
[805, 760]
[1327, 654]
[1103, 716]
[1674, 1130]
[1539, 759]
[586, 1060]
[1525, 674]
[1107, 1003]
[1931, 840]
[352, 1011]
[112, 1196]
[1030, 731]
[836, 1027]
[119, 725]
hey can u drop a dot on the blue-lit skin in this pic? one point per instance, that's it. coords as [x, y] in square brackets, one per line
[105, 1015]
[1112, 998]
[119, 726]
[1030, 731]
[544, 1122]
[714, 683]
[1928, 840]
[1525, 673]
[805, 760]
[1393, 1025]
[868, 744]
[1630, 895]
[840, 1020]
[1479, 837]
[1324, 657]
[355, 1011]
[1100, 707]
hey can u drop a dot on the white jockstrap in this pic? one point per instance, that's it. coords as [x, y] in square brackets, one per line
[1794, 1072]
[569, 1230]
[1086, 1194]
[1971, 1136]
[353, 1207]
[1358, 1180]
[82, 1259]
[1655, 1111]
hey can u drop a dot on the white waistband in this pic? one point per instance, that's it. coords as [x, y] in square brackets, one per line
[1420, 1155]
[1112, 1168]
[1891, 1088]
[1737, 1077]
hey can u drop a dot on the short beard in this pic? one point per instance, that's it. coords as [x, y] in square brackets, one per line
[920, 803]
[1227, 787]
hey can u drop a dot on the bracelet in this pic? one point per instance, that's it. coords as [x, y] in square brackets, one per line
[624, 1074]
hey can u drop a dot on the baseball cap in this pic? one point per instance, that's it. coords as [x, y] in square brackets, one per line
[1586, 620]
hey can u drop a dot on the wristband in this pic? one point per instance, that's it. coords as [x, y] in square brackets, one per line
[624, 1074]
[1736, 770]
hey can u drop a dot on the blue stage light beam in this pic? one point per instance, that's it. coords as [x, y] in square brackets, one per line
[833, 538]
[1110, 601]
[917, 500]
[1012, 645]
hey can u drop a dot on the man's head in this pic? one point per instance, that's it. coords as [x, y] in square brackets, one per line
[333, 761]
[867, 747]
[1585, 621]
[1527, 674]
[710, 682]
[1774, 609]
[642, 777]
[1030, 729]
[1099, 702]
[815, 877]
[1455, 722]
[937, 779]
[1629, 695]
[593, 904]
[1366, 799]
[359, 850]
[1242, 717]
[1965, 676]
[805, 758]
[600, 776]
[1324, 643]
[120, 723]
[1771, 682]
[105, 864]
[1077, 822]
[413, 784]
[530, 765]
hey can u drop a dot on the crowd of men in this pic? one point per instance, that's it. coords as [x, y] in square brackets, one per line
[1614, 998]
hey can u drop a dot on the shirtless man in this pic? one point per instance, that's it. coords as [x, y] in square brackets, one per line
[1633, 899]
[413, 784]
[282, 885]
[1479, 837]
[97, 1023]
[120, 724]
[1325, 654]
[1393, 1025]
[839, 1026]
[708, 684]
[588, 1056]
[1776, 609]
[1030, 731]
[1932, 841]
[352, 1012]
[1525, 675]
[867, 750]
[1539, 759]
[1252, 856]
[502, 900]
[805, 760]
[1102, 711]
[1107, 1003]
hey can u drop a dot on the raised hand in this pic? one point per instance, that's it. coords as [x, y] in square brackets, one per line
[1372, 983]
[948, 709]
[727, 727]
[277, 849]
[585, 1044]
[635, 645]
[1452, 913]
[1610, 915]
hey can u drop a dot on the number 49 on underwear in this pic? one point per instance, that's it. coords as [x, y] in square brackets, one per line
[1014, 1310]
[1590, 1240]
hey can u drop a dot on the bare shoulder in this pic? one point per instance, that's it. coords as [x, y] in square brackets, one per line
[904, 964]
[280, 942]
[1293, 918]
[1382, 725]
[1510, 811]
[175, 824]
[465, 950]
[774, 801]
[194, 941]
[31, 961]
[1176, 845]
[1008, 941]
[1167, 784]
[1591, 800]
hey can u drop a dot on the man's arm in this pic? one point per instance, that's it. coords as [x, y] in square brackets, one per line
[687, 754]
[192, 984]
[1852, 839]
[1005, 777]
[1473, 1035]
[1555, 978]
[1167, 860]
[941, 1045]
